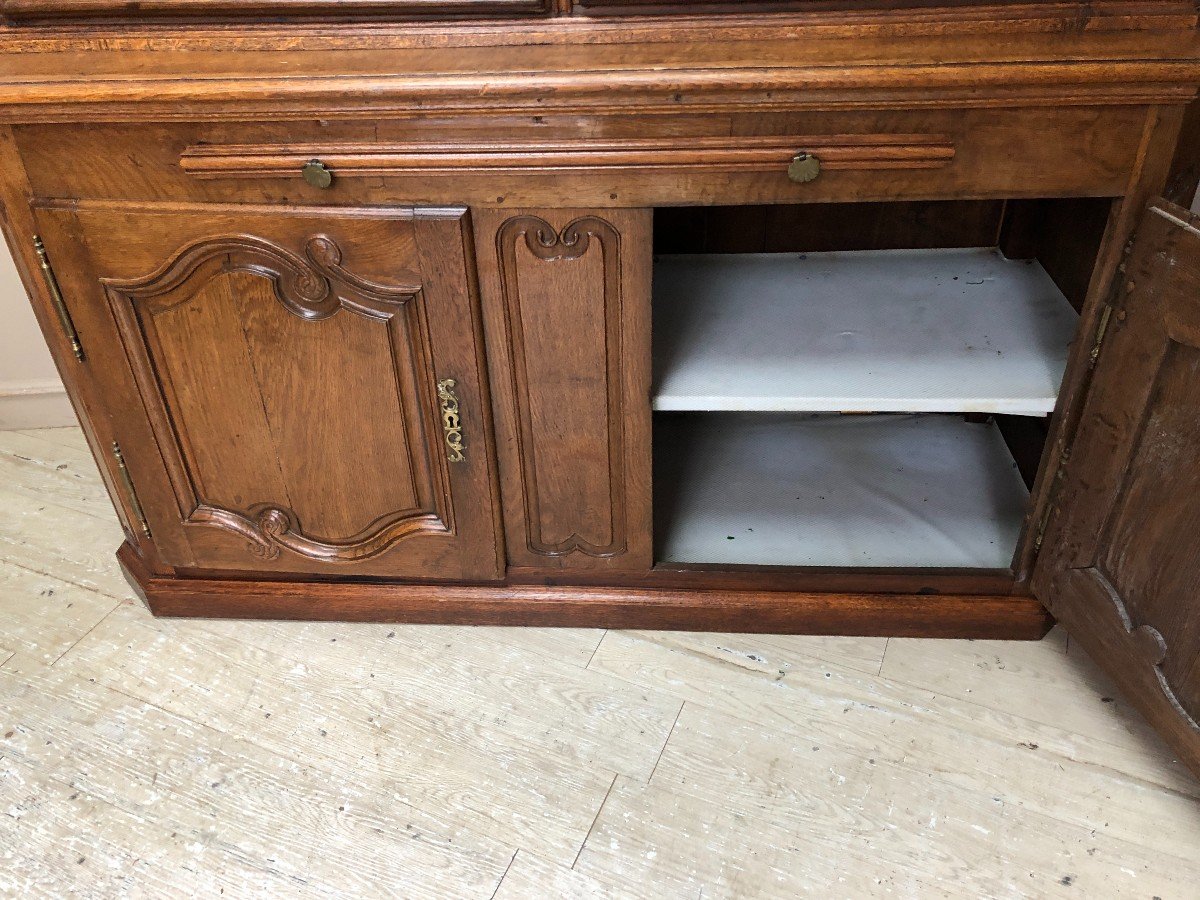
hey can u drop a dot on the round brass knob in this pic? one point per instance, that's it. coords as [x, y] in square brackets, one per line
[804, 168]
[317, 174]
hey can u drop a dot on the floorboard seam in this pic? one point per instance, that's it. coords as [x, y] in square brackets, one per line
[592, 827]
[596, 649]
[9, 561]
[41, 500]
[663, 749]
[163, 825]
[504, 874]
[83, 636]
[883, 656]
[314, 765]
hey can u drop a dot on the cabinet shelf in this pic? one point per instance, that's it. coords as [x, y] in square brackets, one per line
[864, 331]
[844, 491]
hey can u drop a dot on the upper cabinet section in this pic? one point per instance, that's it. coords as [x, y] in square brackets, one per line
[22, 11]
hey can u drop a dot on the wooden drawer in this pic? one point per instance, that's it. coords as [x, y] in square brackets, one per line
[607, 161]
[165, 10]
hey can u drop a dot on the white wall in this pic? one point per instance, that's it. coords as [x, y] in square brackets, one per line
[31, 394]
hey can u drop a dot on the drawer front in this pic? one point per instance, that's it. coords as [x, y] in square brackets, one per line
[601, 161]
[23, 11]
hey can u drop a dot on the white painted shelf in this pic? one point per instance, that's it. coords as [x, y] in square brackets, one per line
[828, 490]
[865, 331]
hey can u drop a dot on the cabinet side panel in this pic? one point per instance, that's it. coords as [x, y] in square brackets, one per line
[567, 296]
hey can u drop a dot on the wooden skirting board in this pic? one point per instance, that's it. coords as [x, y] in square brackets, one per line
[993, 617]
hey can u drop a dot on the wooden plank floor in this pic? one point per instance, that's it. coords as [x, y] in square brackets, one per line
[141, 757]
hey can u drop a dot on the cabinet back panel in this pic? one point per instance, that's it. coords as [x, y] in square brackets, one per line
[819, 227]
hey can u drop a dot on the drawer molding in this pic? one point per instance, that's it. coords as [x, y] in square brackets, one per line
[167, 10]
[840, 152]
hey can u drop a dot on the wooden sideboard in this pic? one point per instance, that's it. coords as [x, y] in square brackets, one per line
[828, 316]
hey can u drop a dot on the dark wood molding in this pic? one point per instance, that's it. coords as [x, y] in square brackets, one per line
[892, 615]
[614, 92]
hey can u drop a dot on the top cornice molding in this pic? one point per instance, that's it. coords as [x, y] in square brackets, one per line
[1035, 54]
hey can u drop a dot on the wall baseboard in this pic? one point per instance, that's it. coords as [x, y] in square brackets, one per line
[41, 404]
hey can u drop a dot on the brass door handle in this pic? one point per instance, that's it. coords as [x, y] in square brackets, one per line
[317, 174]
[451, 421]
[804, 167]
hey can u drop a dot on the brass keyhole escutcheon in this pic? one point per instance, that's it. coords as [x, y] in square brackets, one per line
[317, 174]
[451, 421]
[804, 168]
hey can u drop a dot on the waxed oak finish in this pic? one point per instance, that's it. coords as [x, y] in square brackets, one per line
[286, 365]
[161, 162]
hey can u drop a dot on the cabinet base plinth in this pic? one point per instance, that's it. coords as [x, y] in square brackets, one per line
[773, 612]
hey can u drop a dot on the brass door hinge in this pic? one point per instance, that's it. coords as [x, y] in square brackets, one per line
[1101, 331]
[130, 490]
[1041, 531]
[1051, 495]
[56, 297]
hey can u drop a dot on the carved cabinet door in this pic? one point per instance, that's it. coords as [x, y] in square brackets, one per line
[1120, 565]
[292, 390]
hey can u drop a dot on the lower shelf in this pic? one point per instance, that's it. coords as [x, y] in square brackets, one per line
[835, 491]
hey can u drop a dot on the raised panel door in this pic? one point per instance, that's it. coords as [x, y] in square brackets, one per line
[299, 391]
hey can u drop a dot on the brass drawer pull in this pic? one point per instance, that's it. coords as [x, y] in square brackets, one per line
[804, 168]
[451, 421]
[317, 174]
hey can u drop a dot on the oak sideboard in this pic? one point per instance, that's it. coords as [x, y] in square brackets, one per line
[828, 316]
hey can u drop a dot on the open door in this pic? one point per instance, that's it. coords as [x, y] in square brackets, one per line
[1120, 565]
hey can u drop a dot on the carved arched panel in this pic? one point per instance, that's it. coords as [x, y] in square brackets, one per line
[290, 397]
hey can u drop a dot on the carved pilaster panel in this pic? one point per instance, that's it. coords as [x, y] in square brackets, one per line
[571, 324]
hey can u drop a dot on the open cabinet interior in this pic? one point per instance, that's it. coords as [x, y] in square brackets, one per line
[860, 386]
